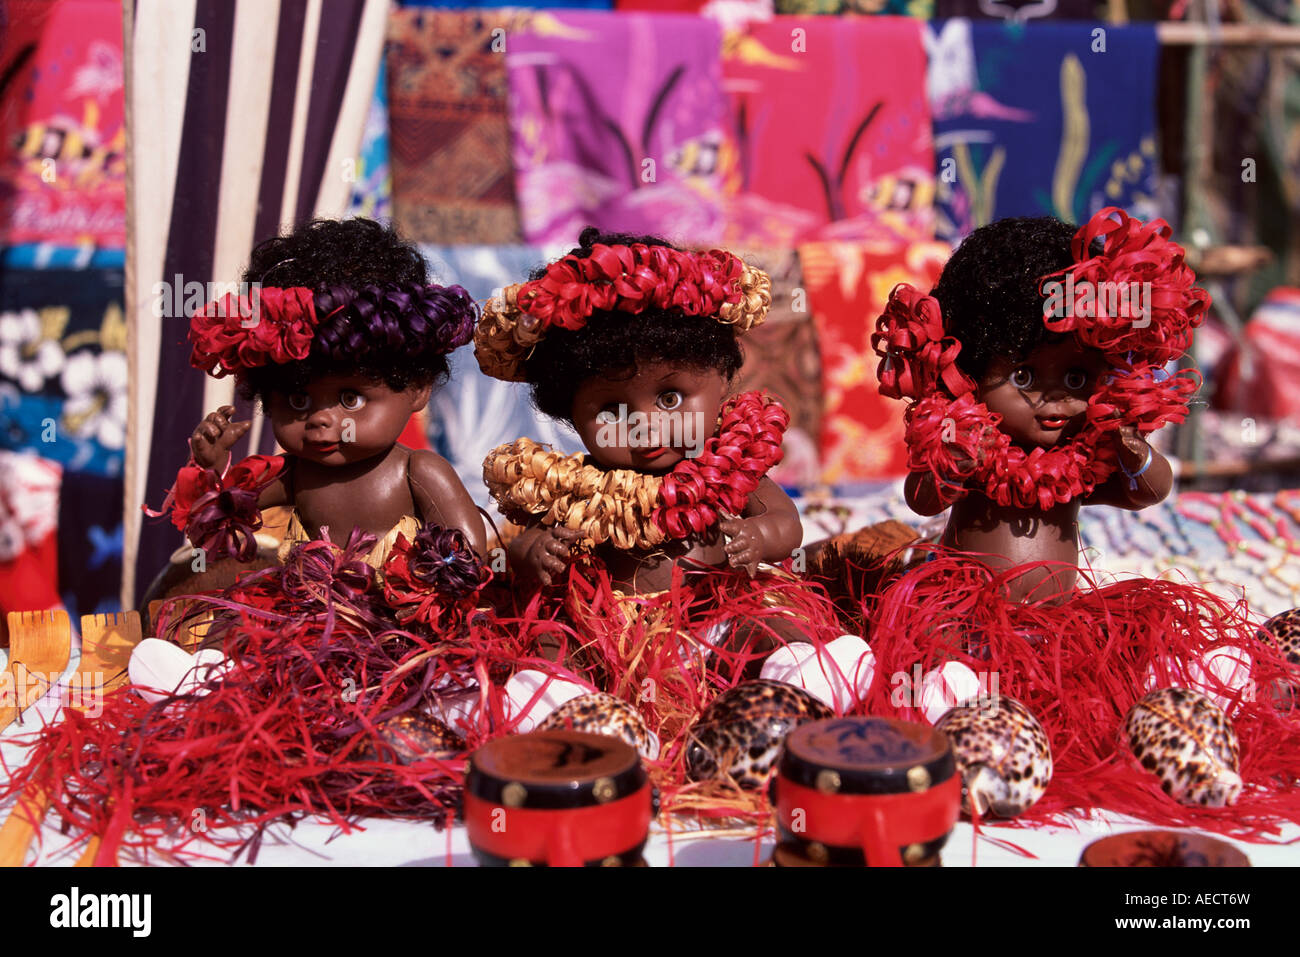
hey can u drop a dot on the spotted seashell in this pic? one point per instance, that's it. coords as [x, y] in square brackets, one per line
[741, 731]
[409, 738]
[1283, 633]
[601, 713]
[1002, 754]
[1187, 741]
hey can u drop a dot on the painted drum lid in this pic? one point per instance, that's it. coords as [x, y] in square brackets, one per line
[853, 755]
[1161, 849]
[554, 769]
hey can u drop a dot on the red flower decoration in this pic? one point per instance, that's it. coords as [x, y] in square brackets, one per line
[728, 470]
[1135, 256]
[916, 356]
[219, 514]
[241, 332]
[434, 576]
[632, 279]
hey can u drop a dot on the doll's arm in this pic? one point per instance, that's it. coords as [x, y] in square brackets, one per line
[1144, 478]
[441, 498]
[921, 492]
[767, 531]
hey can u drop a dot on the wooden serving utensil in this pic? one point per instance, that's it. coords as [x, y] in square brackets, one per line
[106, 645]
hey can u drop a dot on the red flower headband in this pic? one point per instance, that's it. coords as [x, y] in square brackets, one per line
[239, 332]
[947, 429]
[627, 279]
[272, 325]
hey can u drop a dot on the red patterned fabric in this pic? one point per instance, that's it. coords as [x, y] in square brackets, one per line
[848, 284]
[828, 131]
[29, 516]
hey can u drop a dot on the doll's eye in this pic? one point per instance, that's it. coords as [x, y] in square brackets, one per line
[672, 399]
[351, 401]
[1076, 379]
[299, 401]
[1022, 378]
[609, 415]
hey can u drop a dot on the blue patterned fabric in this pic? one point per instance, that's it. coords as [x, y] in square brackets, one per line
[473, 414]
[63, 395]
[1048, 119]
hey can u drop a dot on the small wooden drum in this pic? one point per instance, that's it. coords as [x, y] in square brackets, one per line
[1161, 849]
[558, 799]
[865, 791]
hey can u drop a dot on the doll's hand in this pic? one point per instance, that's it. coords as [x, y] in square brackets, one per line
[549, 555]
[746, 546]
[965, 464]
[1129, 439]
[212, 440]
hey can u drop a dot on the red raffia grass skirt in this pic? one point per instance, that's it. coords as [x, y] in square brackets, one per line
[284, 735]
[1079, 666]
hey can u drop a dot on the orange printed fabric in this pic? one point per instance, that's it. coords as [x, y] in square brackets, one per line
[848, 285]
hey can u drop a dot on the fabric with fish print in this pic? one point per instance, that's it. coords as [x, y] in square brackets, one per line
[1049, 119]
[860, 165]
[62, 128]
[848, 285]
[616, 122]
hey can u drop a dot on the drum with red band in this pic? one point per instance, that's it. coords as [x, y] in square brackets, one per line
[559, 799]
[865, 791]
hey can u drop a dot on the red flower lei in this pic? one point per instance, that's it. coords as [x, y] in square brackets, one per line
[240, 332]
[632, 279]
[723, 476]
[946, 428]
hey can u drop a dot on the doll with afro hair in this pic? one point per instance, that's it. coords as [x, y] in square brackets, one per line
[1038, 383]
[378, 346]
[660, 366]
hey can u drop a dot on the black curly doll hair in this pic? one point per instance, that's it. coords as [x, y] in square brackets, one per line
[613, 345]
[989, 290]
[379, 317]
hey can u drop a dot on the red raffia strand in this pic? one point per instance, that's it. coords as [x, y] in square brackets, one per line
[632, 279]
[280, 736]
[1080, 676]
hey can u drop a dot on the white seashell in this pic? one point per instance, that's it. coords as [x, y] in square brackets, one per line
[945, 688]
[839, 677]
[521, 688]
[159, 668]
[1219, 674]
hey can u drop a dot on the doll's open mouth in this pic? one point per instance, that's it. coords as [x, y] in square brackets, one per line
[655, 453]
[323, 448]
[1053, 423]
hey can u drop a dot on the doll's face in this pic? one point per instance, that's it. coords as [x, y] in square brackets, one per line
[336, 420]
[651, 420]
[1043, 397]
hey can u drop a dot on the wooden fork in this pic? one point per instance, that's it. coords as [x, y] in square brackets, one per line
[106, 645]
[40, 644]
